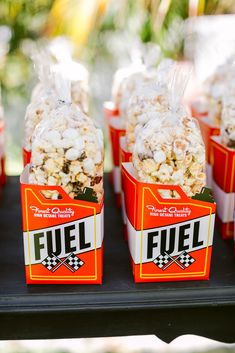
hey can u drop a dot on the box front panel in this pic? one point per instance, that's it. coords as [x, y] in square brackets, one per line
[169, 239]
[62, 239]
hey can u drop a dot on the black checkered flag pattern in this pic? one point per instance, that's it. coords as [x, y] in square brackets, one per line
[74, 262]
[50, 262]
[161, 260]
[185, 259]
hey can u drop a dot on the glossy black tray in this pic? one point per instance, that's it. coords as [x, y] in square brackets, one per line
[119, 306]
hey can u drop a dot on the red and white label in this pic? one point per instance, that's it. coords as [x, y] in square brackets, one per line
[73, 237]
[148, 244]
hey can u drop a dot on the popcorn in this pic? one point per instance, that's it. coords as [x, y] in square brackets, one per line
[132, 83]
[159, 156]
[70, 134]
[151, 100]
[72, 154]
[215, 87]
[145, 104]
[171, 152]
[118, 81]
[34, 114]
[67, 151]
[228, 120]
[127, 79]
[45, 97]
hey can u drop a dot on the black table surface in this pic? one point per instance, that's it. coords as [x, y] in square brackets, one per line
[119, 306]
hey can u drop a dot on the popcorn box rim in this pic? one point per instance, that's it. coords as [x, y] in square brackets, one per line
[65, 197]
[218, 140]
[129, 169]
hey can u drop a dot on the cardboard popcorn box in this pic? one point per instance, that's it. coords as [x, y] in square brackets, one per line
[63, 239]
[125, 156]
[169, 239]
[116, 131]
[2, 153]
[110, 110]
[223, 165]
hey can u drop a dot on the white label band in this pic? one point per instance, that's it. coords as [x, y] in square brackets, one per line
[78, 237]
[225, 203]
[188, 236]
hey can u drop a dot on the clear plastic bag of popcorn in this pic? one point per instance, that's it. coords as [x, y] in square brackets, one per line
[56, 58]
[143, 57]
[146, 73]
[67, 151]
[61, 49]
[43, 67]
[147, 102]
[170, 151]
[119, 76]
[215, 87]
[43, 100]
[122, 73]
